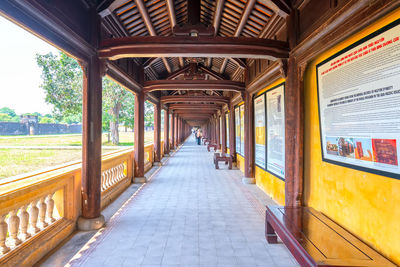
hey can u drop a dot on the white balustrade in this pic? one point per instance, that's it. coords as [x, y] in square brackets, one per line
[20, 224]
[112, 176]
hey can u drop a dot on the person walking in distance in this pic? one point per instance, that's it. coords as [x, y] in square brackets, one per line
[199, 135]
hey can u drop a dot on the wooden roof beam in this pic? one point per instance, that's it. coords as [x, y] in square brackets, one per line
[149, 25]
[193, 99]
[195, 106]
[217, 15]
[202, 46]
[219, 85]
[172, 20]
[212, 73]
[242, 22]
[177, 73]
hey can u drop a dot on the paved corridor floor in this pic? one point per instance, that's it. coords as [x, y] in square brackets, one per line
[188, 214]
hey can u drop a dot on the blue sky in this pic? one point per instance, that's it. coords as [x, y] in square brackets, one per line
[19, 73]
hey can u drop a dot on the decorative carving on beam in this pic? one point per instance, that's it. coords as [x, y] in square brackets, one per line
[194, 73]
[219, 85]
[157, 46]
[194, 99]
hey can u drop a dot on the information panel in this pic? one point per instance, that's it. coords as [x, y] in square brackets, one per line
[276, 131]
[227, 129]
[237, 129]
[359, 104]
[242, 130]
[259, 125]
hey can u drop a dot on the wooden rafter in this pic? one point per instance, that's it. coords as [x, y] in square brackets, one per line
[242, 22]
[216, 22]
[149, 25]
[172, 19]
[202, 46]
[219, 85]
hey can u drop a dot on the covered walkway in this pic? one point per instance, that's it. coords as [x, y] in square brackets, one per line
[188, 214]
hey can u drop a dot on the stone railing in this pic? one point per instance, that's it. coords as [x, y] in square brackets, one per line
[39, 210]
[116, 174]
[148, 156]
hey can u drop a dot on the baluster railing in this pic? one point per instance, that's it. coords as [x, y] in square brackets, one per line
[3, 235]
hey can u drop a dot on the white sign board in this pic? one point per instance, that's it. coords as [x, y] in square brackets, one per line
[359, 104]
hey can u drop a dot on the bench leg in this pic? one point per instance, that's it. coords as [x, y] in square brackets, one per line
[208, 148]
[216, 164]
[230, 165]
[270, 234]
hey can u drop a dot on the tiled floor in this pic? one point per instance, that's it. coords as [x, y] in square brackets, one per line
[189, 214]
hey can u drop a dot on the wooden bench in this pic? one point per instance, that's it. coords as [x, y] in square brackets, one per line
[212, 145]
[222, 157]
[315, 240]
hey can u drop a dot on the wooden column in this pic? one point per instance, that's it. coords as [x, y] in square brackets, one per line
[157, 132]
[223, 125]
[217, 131]
[173, 142]
[176, 131]
[232, 140]
[166, 132]
[294, 124]
[139, 135]
[91, 141]
[248, 139]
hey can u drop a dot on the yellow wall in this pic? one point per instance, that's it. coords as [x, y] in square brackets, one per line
[269, 183]
[240, 162]
[365, 204]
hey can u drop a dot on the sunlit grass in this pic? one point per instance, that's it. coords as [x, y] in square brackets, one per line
[21, 160]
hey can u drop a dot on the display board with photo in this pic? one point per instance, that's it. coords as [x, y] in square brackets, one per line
[237, 129]
[242, 130]
[359, 97]
[275, 99]
[259, 131]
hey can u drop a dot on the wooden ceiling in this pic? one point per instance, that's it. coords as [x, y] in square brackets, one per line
[230, 18]
[129, 22]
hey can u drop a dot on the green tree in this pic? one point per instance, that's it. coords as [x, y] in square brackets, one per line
[7, 118]
[115, 98]
[62, 82]
[148, 114]
[8, 111]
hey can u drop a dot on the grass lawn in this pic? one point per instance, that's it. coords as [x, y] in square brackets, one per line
[126, 139]
[18, 161]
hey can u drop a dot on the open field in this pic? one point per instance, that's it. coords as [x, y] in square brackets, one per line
[17, 161]
[126, 139]
[21, 160]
